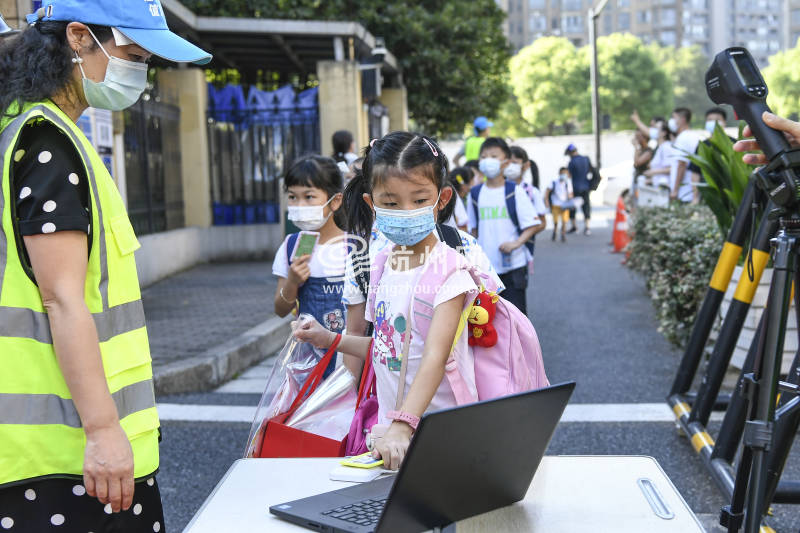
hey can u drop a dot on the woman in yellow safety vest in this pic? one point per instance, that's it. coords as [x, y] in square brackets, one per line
[79, 429]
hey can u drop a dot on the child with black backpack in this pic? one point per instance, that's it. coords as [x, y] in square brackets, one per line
[503, 219]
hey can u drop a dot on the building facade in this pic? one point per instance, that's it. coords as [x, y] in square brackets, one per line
[763, 26]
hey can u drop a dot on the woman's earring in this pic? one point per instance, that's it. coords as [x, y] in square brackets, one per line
[77, 60]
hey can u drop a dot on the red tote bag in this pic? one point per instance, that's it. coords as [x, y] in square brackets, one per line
[280, 440]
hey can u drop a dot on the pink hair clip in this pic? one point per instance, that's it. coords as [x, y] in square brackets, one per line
[372, 143]
[435, 153]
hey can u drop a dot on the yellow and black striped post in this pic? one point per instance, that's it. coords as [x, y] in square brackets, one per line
[734, 319]
[720, 280]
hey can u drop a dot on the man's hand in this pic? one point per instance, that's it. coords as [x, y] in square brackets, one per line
[108, 467]
[789, 128]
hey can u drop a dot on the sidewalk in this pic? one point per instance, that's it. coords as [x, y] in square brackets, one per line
[210, 323]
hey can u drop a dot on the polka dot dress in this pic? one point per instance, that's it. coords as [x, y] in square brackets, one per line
[50, 183]
[63, 506]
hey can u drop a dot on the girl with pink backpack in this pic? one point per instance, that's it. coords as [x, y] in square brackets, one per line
[420, 285]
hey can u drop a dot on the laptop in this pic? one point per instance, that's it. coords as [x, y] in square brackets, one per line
[461, 462]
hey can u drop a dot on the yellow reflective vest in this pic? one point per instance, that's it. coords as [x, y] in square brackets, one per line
[472, 148]
[40, 430]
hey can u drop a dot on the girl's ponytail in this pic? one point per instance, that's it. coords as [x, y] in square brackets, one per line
[360, 214]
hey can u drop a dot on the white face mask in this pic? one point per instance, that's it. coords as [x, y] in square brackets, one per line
[513, 171]
[711, 125]
[309, 217]
[654, 133]
[124, 83]
[673, 125]
[489, 167]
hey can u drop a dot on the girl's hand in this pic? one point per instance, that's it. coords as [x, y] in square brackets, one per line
[790, 129]
[300, 270]
[508, 247]
[312, 332]
[393, 446]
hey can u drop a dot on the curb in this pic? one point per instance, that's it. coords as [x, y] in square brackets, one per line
[221, 363]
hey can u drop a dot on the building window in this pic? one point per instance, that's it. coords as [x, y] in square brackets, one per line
[555, 24]
[643, 16]
[623, 21]
[608, 23]
[623, 3]
[537, 4]
[572, 23]
[537, 23]
[795, 17]
[571, 5]
[667, 17]
[667, 38]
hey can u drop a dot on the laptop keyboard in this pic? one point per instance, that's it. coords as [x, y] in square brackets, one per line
[363, 513]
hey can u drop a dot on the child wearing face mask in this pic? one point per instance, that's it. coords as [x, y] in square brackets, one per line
[313, 283]
[503, 219]
[558, 197]
[406, 187]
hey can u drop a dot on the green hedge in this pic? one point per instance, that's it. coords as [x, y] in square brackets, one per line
[675, 249]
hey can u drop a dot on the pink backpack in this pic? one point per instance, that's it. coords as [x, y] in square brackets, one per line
[475, 373]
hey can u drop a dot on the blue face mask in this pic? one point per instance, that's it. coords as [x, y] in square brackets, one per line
[406, 228]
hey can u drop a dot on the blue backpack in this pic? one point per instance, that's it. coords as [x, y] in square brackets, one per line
[511, 207]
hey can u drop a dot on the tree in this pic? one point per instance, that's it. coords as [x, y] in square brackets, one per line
[686, 68]
[783, 80]
[629, 78]
[453, 54]
[549, 81]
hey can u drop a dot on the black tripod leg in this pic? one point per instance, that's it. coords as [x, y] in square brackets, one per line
[767, 373]
[732, 325]
[716, 291]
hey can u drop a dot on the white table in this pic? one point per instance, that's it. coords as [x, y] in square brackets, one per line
[569, 493]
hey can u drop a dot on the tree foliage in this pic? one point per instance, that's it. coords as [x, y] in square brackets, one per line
[453, 54]
[629, 78]
[686, 68]
[549, 80]
[783, 79]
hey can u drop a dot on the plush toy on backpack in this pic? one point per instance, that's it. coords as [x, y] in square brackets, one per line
[481, 330]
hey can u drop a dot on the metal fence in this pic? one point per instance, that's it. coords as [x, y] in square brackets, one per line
[153, 166]
[250, 149]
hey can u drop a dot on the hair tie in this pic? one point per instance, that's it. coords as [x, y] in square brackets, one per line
[435, 153]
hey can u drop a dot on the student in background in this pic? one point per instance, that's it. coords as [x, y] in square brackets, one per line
[520, 164]
[313, 283]
[558, 197]
[472, 146]
[503, 219]
[477, 175]
[460, 182]
[344, 148]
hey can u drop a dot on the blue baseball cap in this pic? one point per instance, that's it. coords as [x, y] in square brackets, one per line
[135, 21]
[570, 148]
[481, 123]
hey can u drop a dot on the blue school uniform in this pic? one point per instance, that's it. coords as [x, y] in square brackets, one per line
[321, 298]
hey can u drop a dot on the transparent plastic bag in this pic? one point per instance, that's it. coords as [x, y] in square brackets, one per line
[294, 364]
[329, 411]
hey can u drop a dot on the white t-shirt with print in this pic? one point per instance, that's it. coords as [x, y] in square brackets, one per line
[327, 261]
[391, 320]
[495, 226]
[472, 252]
[683, 146]
[562, 189]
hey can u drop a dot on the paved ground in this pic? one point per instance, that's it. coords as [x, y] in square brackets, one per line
[206, 306]
[596, 326]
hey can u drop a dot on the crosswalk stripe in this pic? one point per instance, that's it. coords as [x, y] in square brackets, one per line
[601, 413]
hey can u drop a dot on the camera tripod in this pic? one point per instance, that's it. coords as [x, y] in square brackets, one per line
[770, 425]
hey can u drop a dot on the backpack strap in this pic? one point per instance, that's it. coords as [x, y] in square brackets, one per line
[375, 274]
[359, 258]
[290, 242]
[511, 204]
[474, 193]
[450, 236]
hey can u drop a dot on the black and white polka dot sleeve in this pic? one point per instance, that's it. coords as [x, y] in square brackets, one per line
[50, 182]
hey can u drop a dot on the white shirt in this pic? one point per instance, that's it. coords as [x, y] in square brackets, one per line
[562, 189]
[472, 252]
[662, 159]
[495, 226]
[683, 146]
[327, 261]
[391, 320]
[460, 217]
